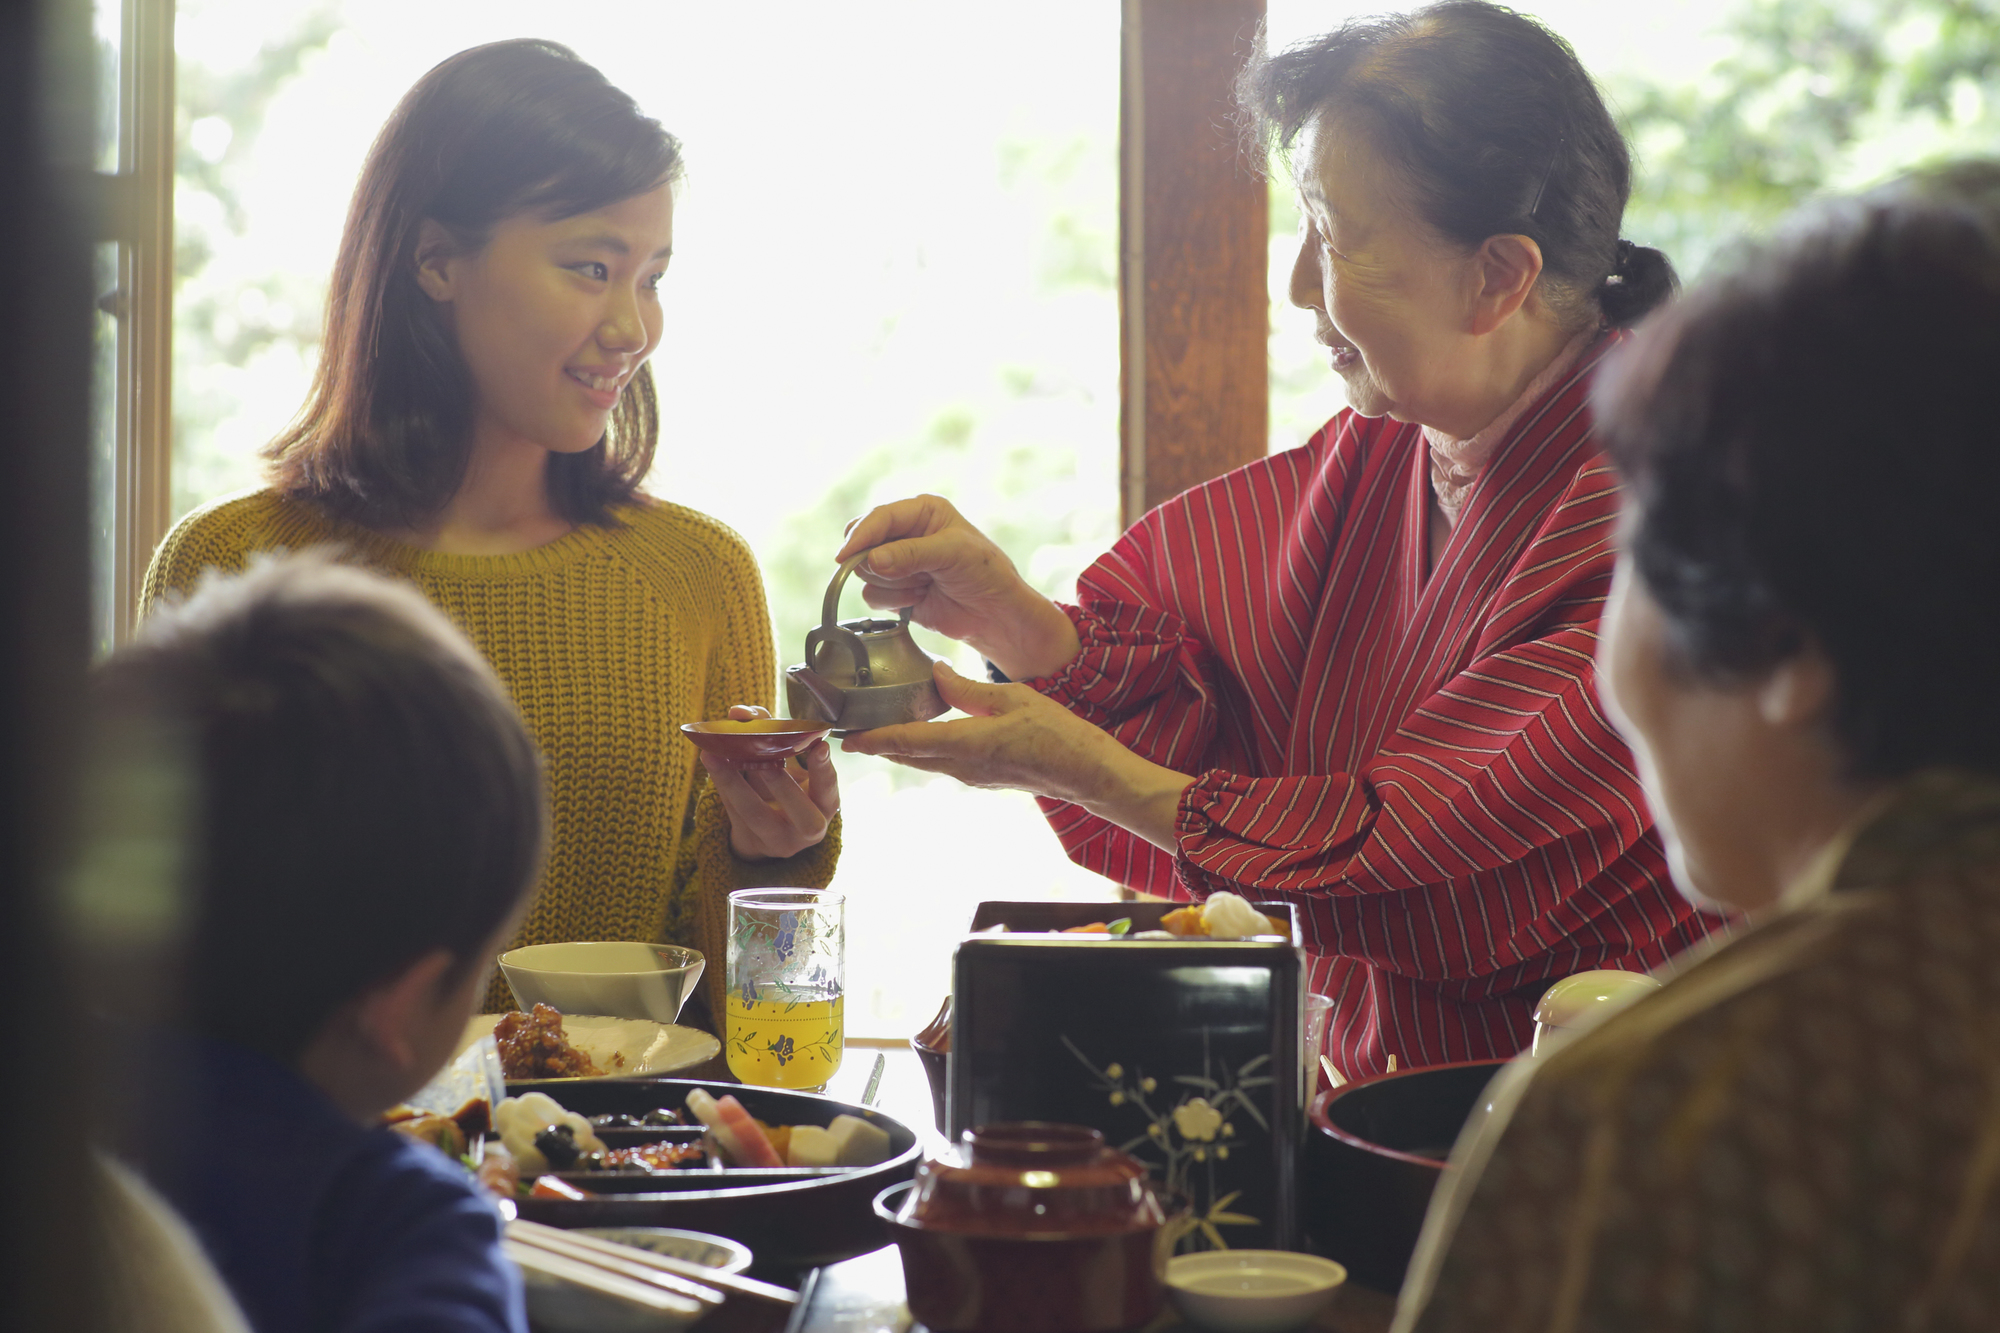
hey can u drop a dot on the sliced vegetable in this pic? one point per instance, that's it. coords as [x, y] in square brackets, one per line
[551, 1187]
[1121, 926]
[858, 1143]
[755, 1149]
[813, 1146]
[736, 1134]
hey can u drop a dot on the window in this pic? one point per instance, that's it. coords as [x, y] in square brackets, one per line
[897, 270]
[1737, 110]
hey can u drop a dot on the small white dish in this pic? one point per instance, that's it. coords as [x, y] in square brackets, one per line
[1251, 1291]
[616, 977]
[621, 1047]
[556, 1306]
[695, 1247]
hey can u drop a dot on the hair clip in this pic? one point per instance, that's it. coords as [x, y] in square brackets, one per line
[1550, 171]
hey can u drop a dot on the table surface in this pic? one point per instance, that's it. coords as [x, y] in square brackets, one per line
[865, 1295]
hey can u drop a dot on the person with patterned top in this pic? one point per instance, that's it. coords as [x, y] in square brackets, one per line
[1356, 676]
[1801, 1129]
[480, 421]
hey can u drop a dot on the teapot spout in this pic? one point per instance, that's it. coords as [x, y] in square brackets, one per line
[828, 697]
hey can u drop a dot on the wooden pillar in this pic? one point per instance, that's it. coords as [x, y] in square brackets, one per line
[1194, 237]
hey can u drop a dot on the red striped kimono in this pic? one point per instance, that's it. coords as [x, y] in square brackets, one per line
[1419, 763]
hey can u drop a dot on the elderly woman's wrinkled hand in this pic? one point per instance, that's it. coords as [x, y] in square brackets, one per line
[775, 810]
[1015, 738]
[924, 555]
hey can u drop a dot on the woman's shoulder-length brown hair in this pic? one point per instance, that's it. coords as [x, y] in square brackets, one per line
[495, 131]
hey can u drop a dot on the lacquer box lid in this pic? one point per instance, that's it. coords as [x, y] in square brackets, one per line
[1183, 1052]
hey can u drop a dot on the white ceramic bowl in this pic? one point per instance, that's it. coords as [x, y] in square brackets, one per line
[556, 1306]
[695, 1247]
[622, 980]
[1251, 1291]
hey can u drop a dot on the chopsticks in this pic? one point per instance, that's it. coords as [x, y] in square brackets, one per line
[673, 1287]
[607, 1281]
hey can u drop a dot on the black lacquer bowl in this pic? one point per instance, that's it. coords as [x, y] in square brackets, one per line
[1375, 1153]
[791, 1218]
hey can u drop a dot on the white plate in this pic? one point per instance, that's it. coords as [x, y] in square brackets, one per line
[648, 1049]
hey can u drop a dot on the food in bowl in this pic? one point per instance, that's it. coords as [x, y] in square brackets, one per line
[743, 1140]
[453, 1134]
[615, 978]
[532, 1045]
[542, 1135]
[1223, 916]
[795, 1218]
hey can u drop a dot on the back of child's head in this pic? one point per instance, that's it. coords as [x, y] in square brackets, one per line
[361, 791]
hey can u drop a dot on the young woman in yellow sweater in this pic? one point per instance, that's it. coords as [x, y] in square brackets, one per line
[479, 424]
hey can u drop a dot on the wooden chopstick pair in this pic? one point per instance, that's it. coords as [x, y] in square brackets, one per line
[680, 1291]
[1333, 1076]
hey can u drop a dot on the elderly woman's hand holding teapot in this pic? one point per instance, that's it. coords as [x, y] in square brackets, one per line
[1015, 738]
[925, 556]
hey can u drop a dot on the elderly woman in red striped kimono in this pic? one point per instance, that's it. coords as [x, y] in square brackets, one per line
[1357, 675]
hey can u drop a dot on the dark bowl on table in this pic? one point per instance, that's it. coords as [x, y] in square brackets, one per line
[1375, 1153]
[933, 1047]
[1031, 1228]
[791, 1218]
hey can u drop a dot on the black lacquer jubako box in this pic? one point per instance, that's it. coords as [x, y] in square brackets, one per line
[1183, 1052]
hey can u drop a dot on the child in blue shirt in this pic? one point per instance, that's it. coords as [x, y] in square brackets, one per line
[365, 823]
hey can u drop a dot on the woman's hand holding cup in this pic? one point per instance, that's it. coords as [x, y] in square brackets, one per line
[775, 811]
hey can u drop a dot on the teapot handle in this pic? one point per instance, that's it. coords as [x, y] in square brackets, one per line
[830, 627]
[829, 612]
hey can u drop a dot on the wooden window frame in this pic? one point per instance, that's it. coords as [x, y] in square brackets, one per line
[1194, 250]
[134, 207]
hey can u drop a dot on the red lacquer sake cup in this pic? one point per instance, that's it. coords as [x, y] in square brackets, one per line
[763, 740]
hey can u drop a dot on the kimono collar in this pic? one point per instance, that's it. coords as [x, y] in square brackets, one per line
[1456, 464]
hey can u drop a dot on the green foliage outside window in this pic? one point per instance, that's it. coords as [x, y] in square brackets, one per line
[1815, 96]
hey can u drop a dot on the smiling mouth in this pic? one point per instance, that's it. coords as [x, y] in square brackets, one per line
[596, 383]
[1345, 356]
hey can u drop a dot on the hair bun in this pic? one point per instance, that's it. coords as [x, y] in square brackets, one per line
[1641, 279]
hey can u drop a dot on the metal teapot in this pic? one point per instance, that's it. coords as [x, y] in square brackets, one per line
[861, 674]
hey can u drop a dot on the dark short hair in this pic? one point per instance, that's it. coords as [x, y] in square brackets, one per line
[1811, 446]
[361, 789]
[494, 132]
[1495, 126]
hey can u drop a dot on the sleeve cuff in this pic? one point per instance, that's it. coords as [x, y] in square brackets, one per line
[1082, 685]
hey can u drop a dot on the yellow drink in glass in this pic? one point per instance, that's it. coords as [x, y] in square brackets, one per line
[782, 1042]
[787, 963]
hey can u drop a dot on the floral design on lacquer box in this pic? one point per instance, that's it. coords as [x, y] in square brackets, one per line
[1189, 1130]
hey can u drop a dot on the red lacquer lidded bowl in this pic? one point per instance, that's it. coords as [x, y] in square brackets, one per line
[1035, 1228]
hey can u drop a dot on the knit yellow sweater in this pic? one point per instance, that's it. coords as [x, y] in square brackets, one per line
[608, 639]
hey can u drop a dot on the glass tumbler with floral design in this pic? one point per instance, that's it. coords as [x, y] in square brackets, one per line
[786, 970]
